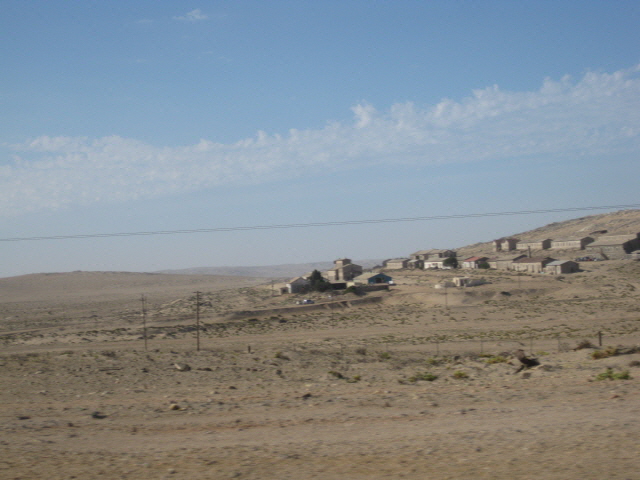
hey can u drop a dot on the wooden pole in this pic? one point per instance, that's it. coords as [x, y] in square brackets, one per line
[197, 321]
[144, 321]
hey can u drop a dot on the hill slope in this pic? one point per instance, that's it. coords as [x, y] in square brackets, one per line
[616, 223]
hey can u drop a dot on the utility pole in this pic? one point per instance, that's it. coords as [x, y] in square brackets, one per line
[197, 321]
[144, 320]
[446, 300]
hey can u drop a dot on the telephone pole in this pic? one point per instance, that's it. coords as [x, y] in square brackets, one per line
[197, 321]
[144, 320]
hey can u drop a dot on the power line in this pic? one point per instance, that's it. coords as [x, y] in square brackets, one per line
[318, 224]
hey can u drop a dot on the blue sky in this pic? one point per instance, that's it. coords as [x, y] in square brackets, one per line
[157, 115]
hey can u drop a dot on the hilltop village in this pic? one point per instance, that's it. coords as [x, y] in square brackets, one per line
[509, 253]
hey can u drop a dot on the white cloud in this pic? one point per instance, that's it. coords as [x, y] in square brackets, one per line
[596, 115]
[192, 16]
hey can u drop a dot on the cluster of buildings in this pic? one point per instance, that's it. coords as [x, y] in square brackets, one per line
[511, 254]
[343, 274]
[514, 254]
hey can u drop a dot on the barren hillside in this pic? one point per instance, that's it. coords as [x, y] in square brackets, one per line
[616, 223]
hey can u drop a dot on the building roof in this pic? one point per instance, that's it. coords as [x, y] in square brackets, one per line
[539, 240]
[559, 262]
[475, 259]
[570, 239]
[613, 240]
[533, 260]
[430, 251]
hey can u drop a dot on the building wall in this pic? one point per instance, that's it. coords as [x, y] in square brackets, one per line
[577, 244]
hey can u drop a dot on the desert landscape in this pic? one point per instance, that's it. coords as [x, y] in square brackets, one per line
[117, 375]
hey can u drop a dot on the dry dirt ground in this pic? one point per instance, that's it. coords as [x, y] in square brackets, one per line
[420, 385]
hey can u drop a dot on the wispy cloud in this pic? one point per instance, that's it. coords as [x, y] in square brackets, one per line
[598, 114]
[195, 15]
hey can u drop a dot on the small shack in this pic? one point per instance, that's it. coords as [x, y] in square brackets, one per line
[531, 264]
[558, 267]
[396, 263]
[298, 285]
[474, 262]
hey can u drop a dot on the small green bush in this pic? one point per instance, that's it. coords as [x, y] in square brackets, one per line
[427, 377]
[496, 359]
[606, 353]
[609, 374]
[460, 374]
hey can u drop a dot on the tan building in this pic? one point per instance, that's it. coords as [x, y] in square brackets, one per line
[432, 254]
[535, 245]
[436, 263]
[574, 243]
[503, 263]
[531, 264]
[298, 285]
[614, 246]
[397, 263]
[343, 271]
[559, 267]
[505, 244]
[473, 262]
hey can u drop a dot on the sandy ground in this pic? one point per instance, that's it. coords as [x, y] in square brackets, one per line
[419, 385]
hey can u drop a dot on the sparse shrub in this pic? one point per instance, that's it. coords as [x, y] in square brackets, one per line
[609, 374]
[606, 353]
[584, 344]
[361, 351]
[427, 377]
[496, 359]
[336, 374]
[281, 356]
[384, 355]
[460, 374]
[634, 363]
[354, 379]
[433, 361]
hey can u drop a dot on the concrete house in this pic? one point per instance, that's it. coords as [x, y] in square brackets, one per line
[543, 244]
[397, 263]
[468, 281]
[614, 246]
[432, 254]
[297, 285]
[435, 263]
[414, 264]
[505, 244]
[473, 262]
[343, 271]
[573, 243]
[503, 263]
[559, 267]
[531, 264]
